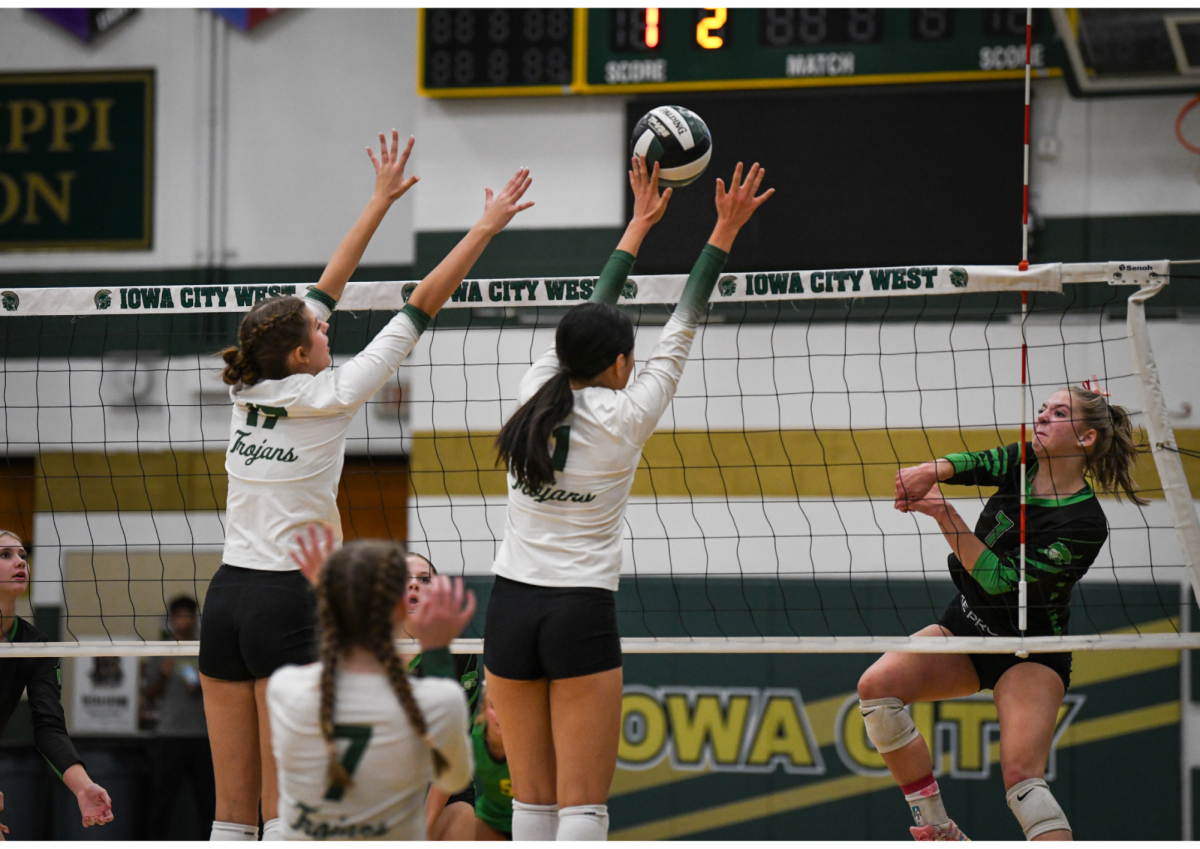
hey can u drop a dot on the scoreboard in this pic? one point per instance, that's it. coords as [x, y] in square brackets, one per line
[497, 52]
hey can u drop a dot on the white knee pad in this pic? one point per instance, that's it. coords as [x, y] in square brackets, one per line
[583, 822]
[888, 724]
[534, 822]
[1035, 808]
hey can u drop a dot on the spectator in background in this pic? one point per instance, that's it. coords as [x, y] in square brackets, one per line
[181, 750]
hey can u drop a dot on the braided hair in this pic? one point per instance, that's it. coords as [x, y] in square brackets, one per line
[360, 587]
[268, 334]
[1111, 457]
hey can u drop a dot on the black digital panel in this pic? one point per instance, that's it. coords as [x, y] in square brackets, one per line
[809, 27]
[1004, 23]
[932, 25]
[471, 48]
[863, 177]
[633, 30]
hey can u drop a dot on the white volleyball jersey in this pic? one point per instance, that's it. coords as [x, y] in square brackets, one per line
[390, 766]
[569, 534]
[287, 442]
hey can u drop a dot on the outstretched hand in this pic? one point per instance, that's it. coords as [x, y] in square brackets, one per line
[446, 608]
[310, 554]
[390, 182]
[648, 204]
[499, 210]
[94, 805]
[735, 206]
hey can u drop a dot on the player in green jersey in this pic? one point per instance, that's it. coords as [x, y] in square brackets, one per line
[1078, 436]
[493, 785]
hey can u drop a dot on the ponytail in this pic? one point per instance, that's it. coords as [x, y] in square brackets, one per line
[588, 341]
[1111, 458]
[360, 586]
[267, 335]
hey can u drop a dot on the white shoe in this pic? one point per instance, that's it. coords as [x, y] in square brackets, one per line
[935, 832]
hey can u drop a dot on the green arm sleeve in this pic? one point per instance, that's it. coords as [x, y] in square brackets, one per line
[612, 278]
[693, 303]
[984, 468]
[438, 663]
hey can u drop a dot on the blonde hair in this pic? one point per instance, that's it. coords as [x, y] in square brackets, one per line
[13, 534]
[1110, 459]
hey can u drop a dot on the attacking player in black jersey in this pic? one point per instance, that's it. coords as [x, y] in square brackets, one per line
[1077, 435]
[41, 679]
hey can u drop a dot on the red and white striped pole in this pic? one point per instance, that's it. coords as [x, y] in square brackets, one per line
[1022, 592]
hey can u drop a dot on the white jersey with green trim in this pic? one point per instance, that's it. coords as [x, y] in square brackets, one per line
[570, 533]
[287, 442]
[390, 766]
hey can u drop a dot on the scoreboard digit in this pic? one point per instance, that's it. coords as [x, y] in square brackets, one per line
[485, 52]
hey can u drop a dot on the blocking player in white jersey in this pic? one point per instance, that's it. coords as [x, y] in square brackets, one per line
[287, 439]
[552, 654]
[356, 739]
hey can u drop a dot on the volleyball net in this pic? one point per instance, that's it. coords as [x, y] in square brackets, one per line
[761, 517]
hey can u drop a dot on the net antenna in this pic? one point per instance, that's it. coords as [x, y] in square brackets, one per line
[1022, 588]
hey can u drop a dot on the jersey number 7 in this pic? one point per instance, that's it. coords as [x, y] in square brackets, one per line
[359, 736]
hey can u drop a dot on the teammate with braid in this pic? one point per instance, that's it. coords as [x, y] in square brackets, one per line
[352, 762]
[552, 652]
[290, 416]
[1077, 435]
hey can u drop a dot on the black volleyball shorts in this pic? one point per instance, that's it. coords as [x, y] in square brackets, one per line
[989, 667]
[550, 632]
[255, 621]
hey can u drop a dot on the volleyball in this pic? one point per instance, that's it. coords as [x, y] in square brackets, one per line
[678, 140]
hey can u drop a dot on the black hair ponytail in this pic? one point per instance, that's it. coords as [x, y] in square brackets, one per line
[588, 340]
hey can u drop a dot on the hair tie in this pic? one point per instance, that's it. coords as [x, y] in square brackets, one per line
[1093, 385]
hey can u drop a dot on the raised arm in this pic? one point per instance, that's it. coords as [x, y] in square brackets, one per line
[648, 209]
[390, 184]
[433, 291]
[734, 209]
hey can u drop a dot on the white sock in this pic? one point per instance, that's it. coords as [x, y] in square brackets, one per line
[273, 829]
[583, 822]
[926, 806]
[534, 822]
[233, 831]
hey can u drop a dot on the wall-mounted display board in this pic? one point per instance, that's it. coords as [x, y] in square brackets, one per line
[76, 160]
[488, 52]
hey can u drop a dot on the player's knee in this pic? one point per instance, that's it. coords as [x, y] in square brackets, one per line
[873, 685]
[1018, 771]
[889, 725]
[1036, 808]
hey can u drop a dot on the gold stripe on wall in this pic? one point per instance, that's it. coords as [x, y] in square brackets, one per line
[699, 464]
[179, 480]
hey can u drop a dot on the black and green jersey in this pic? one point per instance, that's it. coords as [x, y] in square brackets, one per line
[493, 786]
[466, 670]
[1063, 536]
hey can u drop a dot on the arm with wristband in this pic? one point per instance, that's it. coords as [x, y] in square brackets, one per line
[656, 382]
[648, 209]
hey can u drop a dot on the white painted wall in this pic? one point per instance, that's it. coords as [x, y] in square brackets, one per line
[262, 162]
[1111, 156]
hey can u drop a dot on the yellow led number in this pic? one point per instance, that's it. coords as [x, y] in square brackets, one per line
[716, 20]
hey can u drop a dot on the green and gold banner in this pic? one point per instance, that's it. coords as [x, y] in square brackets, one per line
[76, 160]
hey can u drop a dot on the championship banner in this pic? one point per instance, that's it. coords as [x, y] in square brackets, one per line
[548, 292]
[78, 166]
